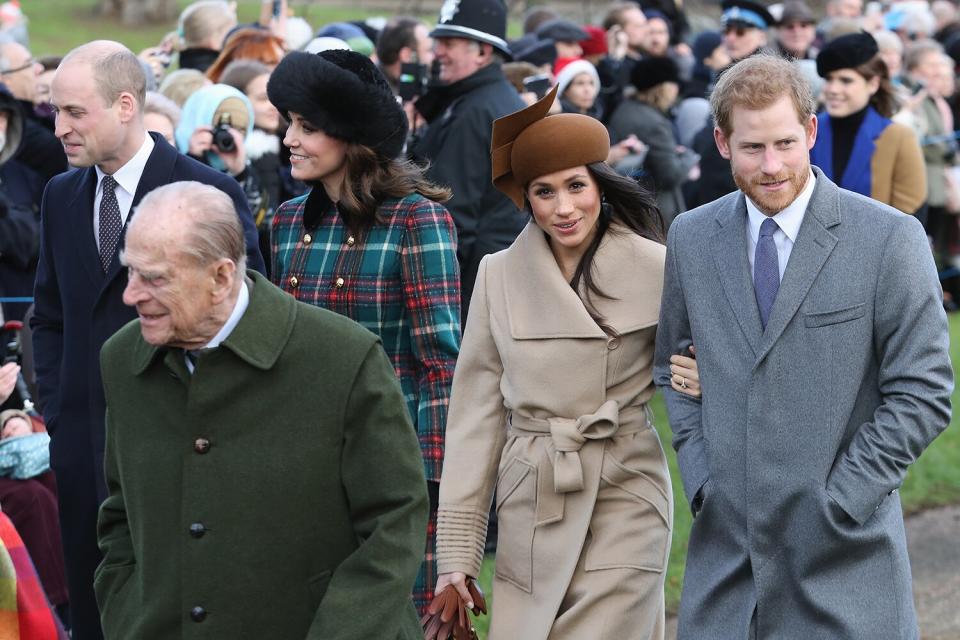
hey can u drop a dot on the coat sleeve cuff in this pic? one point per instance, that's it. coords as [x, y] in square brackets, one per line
[461, 533]
[853, 494]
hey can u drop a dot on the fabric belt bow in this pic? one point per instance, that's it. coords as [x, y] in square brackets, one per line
[569, 436]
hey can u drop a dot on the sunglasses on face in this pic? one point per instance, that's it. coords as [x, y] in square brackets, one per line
[736, 30]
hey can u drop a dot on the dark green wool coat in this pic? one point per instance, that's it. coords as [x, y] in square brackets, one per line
[304, 516]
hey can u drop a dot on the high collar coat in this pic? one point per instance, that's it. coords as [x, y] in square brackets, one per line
[534, 363]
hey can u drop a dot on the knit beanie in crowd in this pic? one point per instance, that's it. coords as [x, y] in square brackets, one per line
[344, 95]
[528, 144]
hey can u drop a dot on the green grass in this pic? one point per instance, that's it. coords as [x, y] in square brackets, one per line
[933, 481]
[56, 26]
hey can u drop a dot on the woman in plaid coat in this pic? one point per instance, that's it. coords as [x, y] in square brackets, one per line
[370, 241]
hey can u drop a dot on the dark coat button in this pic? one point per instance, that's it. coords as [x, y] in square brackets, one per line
[197, 530]
[198, 614]
[201, 445]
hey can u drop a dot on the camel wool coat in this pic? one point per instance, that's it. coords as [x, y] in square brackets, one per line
[551, 412]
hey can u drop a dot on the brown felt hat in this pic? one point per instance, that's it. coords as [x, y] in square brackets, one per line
[529, 144]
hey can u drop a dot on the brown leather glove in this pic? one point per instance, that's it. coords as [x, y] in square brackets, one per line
[447, 617]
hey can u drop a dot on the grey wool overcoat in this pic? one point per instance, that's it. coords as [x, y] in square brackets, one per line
[276, 493]
[806, 429]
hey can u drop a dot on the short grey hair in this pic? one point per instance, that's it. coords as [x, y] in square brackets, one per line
[115, 70]
[915, 53]
[162, 105]
[213, 230]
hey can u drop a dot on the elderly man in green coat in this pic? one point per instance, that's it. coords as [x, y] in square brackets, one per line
[264, 479]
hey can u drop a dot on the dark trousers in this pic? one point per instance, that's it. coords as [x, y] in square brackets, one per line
[78, 517]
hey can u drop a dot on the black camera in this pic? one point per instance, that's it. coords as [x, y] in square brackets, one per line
[539, 84]
[222, 138]
[413, 81]
[10, 342]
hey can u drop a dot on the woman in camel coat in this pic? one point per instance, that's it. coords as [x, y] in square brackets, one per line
[549, 398]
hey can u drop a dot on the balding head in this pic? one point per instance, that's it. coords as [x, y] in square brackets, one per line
[200, 218]
[116, 70]
[185, 256]
[20, 70]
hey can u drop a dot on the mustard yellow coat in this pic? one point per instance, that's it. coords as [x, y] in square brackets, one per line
[551, 412]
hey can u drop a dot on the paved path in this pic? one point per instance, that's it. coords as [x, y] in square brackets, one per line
[934, 541]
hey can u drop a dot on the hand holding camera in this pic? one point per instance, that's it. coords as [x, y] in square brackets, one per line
[221, 140]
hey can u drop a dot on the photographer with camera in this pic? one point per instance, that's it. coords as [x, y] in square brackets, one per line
[213, 128]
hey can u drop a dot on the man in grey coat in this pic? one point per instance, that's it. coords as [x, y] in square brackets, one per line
[822, 345]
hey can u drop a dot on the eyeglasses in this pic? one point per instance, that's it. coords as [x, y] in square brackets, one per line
[27, 65]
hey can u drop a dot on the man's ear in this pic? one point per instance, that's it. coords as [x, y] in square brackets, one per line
[128, 106]
[723, 144]
[486, 52]
[811, 131]
[405, 55]
[224, 276]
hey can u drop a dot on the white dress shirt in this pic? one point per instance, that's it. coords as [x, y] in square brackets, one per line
[243, 300]
[788, 226]
[127, 177]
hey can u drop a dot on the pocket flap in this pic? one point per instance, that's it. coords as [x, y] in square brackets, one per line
[824, 318]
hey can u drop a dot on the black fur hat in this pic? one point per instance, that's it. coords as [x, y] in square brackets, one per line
[344, 95]
[649, 72]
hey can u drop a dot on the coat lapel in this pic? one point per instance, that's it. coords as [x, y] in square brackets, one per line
[730, 253]
[814, 245]
[856, 177]
[541, 304]
[82, 203]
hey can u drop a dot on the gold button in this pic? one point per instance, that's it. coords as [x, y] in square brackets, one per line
[350, 241]
[293, 281]
[339, 283]
[307, 238]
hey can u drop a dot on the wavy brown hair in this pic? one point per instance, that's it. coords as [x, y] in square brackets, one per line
[369, 179]
[885, 99]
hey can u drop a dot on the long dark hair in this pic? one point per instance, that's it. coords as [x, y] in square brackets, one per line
[370, 179]
[885, 99]
[627, 203]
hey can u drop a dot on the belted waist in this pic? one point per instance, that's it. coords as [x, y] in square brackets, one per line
[569, 435]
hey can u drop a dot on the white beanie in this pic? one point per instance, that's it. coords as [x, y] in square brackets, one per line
[572, 70]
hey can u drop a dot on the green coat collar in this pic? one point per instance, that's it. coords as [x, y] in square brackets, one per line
[258, 338]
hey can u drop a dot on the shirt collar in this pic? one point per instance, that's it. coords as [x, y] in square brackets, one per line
[128, 176]
[790, 219]
[243, 299]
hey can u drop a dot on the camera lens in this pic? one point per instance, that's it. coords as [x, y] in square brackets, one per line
[223, 139]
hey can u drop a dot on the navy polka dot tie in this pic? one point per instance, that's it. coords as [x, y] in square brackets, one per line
[110, 224]
[766, 270]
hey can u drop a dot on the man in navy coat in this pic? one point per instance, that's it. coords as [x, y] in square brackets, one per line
[98, 92]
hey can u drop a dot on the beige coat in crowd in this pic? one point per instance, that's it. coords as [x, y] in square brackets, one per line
[551, 411]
